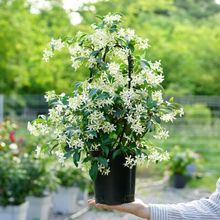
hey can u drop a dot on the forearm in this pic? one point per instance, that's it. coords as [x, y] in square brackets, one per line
[197, 210]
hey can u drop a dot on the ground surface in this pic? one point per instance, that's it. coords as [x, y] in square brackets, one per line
[147, 190]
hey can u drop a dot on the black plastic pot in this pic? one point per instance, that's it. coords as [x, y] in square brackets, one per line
[179, 181]
[119, 186]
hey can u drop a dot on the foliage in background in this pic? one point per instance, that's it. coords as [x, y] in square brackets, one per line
[70, 176]
[13, 180]
[41, 176]
[183, 161]
[186, 34]
[198, 113]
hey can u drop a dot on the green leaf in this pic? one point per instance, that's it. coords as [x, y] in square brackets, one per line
[40, 120]
[93, 170]
[171, 99]
[87, 159]
[116, 153]
[93, 92]
[95, 53]
[131, 46]
[105, 149]
[68, 154]
[103, 161]
[76, 158]
[157, 119]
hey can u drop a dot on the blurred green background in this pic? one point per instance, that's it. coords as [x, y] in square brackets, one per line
[183, 34]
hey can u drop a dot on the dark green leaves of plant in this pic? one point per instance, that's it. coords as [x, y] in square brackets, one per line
[93, 170]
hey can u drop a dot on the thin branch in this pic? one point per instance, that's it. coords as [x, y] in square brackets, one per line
[130, 69]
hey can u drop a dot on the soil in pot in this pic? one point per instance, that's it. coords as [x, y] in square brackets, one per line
[118, 186]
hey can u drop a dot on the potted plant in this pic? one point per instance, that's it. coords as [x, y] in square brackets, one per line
[182, 166]
[72, 182]
[13, 188]
[41, 181]
[105, 123]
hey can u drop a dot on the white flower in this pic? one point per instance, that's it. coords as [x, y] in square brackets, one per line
[37, 129]
[168, 117]
[128, 34]
[74, 103]
[140, 159]
[60, 156]
[47, 54]
[157, 96]
[180, 112]
[161, 134]
[110, 19]
[95, 147]
[107, 127]
[50, 95]
[78, 51]
[121, 53]
[114, 68]
[152, 79]
[138, 80]
[137, 128]
[139, 109]
[104, 102]
[92, 61]
[135, 124]
[142, 43]
[103, 170]
[77, 143]
[130, 162]
[156, 66]
[13, 147]
[2, 144]
[155, 155]
[75, 63]
[101, 38]
[128, 95]
[56, 44]
[54, 116]
[38, 150]
[96, 120]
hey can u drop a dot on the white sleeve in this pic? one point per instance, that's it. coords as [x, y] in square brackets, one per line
[204, 209]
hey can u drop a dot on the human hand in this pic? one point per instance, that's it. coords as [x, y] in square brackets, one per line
[137, 208]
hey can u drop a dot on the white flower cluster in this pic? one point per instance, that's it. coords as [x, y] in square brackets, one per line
[130, 162]
[55, 44]
[121, 101]
[103, 170]
[128, 96]
[161, 133]
[128, 34]
[110, 19]
[136, 126]
[38, 129]
[100, 38]
[50, 95]
[157, 96]
[76, 143]
[152, 78]
[157, 156]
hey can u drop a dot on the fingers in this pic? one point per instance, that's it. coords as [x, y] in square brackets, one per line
[92, 202]
[99, 206]
[102, 206]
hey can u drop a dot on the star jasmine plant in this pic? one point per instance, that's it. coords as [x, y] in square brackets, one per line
[116, 109]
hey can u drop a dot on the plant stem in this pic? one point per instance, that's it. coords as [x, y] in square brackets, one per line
[130, 69]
